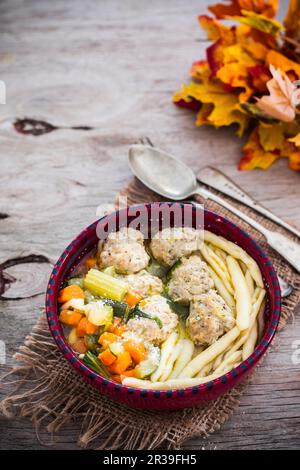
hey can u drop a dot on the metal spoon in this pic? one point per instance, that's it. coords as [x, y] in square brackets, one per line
[171, 178]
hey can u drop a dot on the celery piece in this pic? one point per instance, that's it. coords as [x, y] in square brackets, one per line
[104, 285]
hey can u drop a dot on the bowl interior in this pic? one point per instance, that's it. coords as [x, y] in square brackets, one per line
[88, 239]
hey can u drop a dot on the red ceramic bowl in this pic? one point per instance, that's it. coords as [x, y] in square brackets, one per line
[168, 399]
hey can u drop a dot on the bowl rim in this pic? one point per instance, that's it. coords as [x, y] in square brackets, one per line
[65, 263]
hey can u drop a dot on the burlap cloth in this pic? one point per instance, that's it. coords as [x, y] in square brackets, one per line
[50, 393]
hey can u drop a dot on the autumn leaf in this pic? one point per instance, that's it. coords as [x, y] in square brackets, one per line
[200, 70]
[235, 7]
[279, 61]
[203, 114]
[255, 112]
[295, 140]
[292, 152]
[279, 103]
[271, 136]
[259, 76]
[259, 22]
[254, 156]
[235, 75]
[292, 19]
[216, 30]
[225, 109]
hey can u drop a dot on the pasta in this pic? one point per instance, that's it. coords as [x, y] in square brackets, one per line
[242, 294]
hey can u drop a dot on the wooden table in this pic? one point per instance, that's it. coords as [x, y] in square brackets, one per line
[113, 65]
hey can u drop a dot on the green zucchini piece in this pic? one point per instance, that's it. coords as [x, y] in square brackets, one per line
[150, 364]
[116, 348]
[75, 281]
[120, 308]
[137, 312]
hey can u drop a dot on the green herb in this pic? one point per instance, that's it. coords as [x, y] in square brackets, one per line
[91, 342]
[93, 362]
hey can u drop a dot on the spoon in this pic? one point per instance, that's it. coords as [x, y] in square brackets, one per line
[171, 178]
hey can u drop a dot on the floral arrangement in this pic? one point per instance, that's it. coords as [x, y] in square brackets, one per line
[251, 78]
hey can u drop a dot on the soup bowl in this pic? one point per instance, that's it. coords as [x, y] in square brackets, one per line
[162, 399]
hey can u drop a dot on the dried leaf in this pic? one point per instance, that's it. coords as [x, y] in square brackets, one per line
[257, 113]
[295, 140]
[216, 30]
[280, 103]
[259, 22]
[283, 63]
[235, 7]
[292, 19]
[259, 76]
[225, 110]
[292, 152]
[254, 156]
[271, 137]
[235, 75]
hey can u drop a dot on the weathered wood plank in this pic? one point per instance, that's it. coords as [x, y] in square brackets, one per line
[113, 65]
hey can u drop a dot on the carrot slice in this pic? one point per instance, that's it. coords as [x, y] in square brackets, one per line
[69, 293]
[116, 378]
[122, 363]
[136, 350]
[107, 357]
[132, 298]
[90, 263]
[85, 327]
[70, 317]
[130, 373]
[112, 327]
[106, 338]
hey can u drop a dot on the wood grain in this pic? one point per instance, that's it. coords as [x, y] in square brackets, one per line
[113, 65]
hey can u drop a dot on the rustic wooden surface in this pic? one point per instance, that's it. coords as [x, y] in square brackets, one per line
[113, 65]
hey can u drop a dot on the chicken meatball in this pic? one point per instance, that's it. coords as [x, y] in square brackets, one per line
[190, 278]
[155, 306]
[125, 251]
[171, 244]
[145, 283]
[145, 329]
[209, 318]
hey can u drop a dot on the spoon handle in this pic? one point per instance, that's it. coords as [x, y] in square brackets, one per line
[287, 248]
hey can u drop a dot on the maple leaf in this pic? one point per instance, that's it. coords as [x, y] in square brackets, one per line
[225, 111]
[254, 156]
[295, 140]
[216, 30]
[292, 19]
[271, 136]
[259, 22]
[281, 62]
[280, 103]
[235, 7]
[292, 152]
